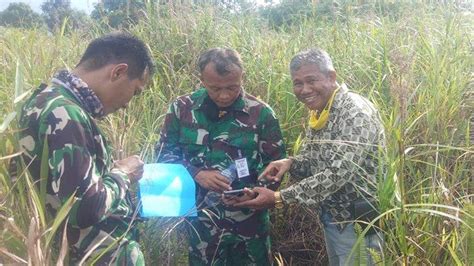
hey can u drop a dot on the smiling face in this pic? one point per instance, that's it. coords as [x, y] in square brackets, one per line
[312, 87]
[223, 90]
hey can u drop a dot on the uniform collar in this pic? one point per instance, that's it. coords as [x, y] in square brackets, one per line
[81, 92]
[239, 105]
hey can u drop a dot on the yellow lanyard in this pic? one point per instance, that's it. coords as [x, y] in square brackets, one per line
[319, 121]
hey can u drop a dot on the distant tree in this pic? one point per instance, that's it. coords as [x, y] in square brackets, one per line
[56, 11]
[235, 6]
[123, 13]
[232, 5]
[20, 15]
[287, 12]
[119, 13]
[293, 12]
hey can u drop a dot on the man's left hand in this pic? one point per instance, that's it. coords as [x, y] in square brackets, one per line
[232, 200]
[265, 199]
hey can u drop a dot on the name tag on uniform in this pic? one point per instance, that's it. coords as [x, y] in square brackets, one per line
[242, 167]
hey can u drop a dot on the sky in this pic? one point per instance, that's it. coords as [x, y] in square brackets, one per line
[84, 5]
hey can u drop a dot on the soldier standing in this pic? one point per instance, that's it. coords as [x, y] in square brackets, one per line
[59, 120]
[221, 129]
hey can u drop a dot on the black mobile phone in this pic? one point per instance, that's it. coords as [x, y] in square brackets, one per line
[234, 193]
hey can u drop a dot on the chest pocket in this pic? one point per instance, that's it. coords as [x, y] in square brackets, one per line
[194, 142]
[246, 140]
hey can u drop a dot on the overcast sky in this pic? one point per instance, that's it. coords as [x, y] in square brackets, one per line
[84, 5]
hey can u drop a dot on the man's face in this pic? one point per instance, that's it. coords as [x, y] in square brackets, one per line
[312, 87]
[124, 89]
[223, 90]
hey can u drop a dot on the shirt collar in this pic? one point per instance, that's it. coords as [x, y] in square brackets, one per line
[239, 104]
[343, 90]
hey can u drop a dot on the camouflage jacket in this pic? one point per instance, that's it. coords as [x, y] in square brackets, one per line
[79, 163]
[339, 163]
[195, 137]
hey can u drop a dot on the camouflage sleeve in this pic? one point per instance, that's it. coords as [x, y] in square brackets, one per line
[270, 142]
[72, 168]
[168, 149]
[348, 152]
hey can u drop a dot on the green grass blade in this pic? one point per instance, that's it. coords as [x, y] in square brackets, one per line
[44, 173]
[19, 81]
[10, 117]
[61, 215]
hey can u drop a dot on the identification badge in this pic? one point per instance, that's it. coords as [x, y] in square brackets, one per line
[242, 167]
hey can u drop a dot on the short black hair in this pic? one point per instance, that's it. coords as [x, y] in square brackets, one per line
[224, 59]
[115, 48]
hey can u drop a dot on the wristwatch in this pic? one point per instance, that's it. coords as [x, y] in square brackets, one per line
[278, 200]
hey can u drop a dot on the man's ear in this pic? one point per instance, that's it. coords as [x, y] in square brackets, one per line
[118, 71]
[332, 76]
[203, 83]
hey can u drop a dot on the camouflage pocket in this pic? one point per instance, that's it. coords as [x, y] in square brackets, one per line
[246, 140]
[194, 142]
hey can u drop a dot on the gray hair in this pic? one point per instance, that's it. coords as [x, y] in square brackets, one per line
[225, 60]
[314, 56]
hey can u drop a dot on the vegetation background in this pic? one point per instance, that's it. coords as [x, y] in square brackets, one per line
[413, 59]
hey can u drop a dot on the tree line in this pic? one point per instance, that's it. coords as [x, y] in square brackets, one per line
[124, 13]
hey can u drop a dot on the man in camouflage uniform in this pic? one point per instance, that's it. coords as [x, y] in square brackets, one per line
[59, 120]
[339, 164]
[208, 131]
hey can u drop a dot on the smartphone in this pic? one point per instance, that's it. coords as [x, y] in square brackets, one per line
[234, 193]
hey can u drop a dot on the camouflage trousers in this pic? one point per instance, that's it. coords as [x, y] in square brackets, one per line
[211, 246]
[127, 254]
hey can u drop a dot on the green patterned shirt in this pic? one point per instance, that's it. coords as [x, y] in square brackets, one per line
[339, 163]
[194, 136]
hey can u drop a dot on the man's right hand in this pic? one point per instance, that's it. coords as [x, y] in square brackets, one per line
[276, 169]
[132, 167]
[212, 180]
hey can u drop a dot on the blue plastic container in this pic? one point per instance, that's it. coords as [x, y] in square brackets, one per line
[167, 190]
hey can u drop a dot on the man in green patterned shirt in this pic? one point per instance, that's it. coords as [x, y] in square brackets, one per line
[339, 164]
[217, 131]
[59, 120]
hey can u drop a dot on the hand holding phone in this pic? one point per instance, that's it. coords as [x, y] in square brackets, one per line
[234, 193]
[233, 197]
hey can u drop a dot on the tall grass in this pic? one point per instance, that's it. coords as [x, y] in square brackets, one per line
[417, 69]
